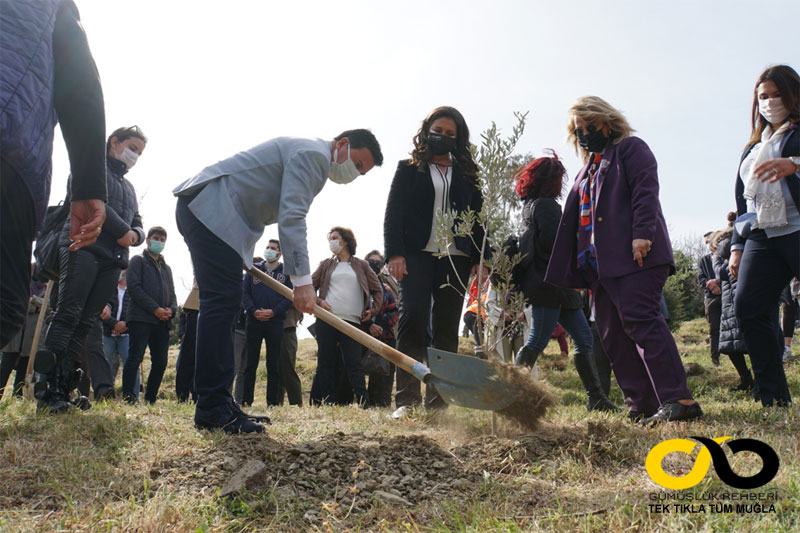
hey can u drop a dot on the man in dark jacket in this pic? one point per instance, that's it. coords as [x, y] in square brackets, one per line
[48, 75]
[116, 340]
[266, 312]
[153, 305]
[711, 298]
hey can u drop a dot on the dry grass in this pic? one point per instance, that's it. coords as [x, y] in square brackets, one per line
[122, 468]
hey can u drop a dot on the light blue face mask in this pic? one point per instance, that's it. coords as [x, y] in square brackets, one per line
[156, 247]
[271, 255]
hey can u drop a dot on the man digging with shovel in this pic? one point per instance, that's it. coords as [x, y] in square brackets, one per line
[222, 213]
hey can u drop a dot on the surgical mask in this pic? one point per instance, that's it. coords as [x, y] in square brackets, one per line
[594, 141]
[121, 276]
[342, 173]
[440, 144]
[375, 264]
[128, 156]
[334, 245]
[156, 247]
[271, 255]
[773, 110]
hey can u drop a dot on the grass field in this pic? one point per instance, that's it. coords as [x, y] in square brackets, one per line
[145, 468]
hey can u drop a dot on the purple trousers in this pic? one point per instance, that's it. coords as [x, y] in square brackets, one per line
[637, 339]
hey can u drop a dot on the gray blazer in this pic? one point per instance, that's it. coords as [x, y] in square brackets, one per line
[273, 182]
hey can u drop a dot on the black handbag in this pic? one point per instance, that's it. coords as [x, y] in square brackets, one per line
[373, 364]
[47, 247]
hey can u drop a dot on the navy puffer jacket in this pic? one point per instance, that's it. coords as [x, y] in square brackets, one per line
[122, 215]
[730, 335]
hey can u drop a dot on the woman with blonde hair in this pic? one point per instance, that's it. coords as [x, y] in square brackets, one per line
[765, 248]
[613, 239]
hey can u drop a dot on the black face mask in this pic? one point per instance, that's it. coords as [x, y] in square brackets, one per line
[376, 265]
[440, 144]
[594, 141]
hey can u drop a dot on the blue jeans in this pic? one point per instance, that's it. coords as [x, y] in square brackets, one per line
[218, 270]
[119, 345]
[544, 320]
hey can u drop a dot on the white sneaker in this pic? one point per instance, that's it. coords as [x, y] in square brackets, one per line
[787, 354]
[399, 413]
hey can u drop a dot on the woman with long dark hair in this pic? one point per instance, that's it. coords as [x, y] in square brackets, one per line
[440, 176]
[765, 248]
[539, 184]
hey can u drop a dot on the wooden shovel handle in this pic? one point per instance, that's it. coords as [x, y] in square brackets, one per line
[410, 365]
[35, 344]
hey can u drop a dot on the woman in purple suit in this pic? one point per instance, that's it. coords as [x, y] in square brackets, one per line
[613, 239]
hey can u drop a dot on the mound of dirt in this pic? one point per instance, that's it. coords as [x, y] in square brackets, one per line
[349, 469]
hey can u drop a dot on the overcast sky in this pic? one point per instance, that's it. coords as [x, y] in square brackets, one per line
[205, 79]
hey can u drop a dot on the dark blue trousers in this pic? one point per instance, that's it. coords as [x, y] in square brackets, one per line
[766, 268]
[218, 269]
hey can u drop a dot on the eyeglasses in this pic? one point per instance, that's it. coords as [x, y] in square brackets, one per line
[135, 129]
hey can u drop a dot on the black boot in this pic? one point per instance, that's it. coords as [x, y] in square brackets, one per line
[527, 357]
[597, 399]
[48, 386]
[745, 377]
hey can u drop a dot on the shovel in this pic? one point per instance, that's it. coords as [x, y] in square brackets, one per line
[459, 379]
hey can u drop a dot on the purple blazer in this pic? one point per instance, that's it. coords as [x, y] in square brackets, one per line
[627, 208]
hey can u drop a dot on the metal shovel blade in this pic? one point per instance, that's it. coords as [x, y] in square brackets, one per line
[468, 381]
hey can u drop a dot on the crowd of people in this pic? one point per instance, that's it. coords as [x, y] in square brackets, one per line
[597, 267]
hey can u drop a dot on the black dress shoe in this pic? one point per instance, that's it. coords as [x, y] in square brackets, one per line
[255, 418]
[674, 412]
[227, 417]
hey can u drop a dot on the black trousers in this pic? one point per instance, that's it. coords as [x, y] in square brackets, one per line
[94, 359]
[334, 348]
[17, 231]
[271, 332]
[290, 381]
[184, 366]
[144, 334]
[713, 308]
[86, 284]
[789, 310]
[429, 279]
[380, 385]
[767, 266]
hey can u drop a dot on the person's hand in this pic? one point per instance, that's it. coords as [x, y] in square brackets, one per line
[324, 304]
[162, 314]
[774, 169]
[120, 328]
[484, 272]
[86, 219]
[105, 314]
[366, 315]
[733, 263]
[641, 247]
[713, 286]
[169, 312]
[375, 330]
[397, 267]
[304, 298]
[128, 240]
[267, 314]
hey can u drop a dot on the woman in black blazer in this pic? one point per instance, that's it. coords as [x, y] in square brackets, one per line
[765, 248]
[440, 176]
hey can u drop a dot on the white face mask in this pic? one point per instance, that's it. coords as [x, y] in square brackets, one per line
[128, 157]
[342, 173]
[271, 255]
[334, 245]
[773, 110]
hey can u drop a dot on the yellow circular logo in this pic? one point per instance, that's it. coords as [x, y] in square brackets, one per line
[702, 462]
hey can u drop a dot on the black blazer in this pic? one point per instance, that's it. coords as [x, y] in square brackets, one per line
[409, 210]
[113, 303]
[790, 148]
